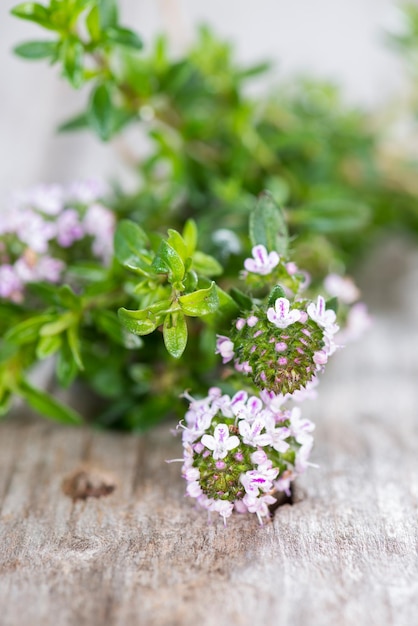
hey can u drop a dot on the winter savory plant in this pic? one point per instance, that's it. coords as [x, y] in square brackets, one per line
[146, 301]
[63, 294]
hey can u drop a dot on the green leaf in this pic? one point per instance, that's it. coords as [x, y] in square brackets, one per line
[74, 345]
[225, 313]
[78, 122]
[109, 323]
[168, 261]
[34, 12]
[206, 265]
[175, 334]
[176, 241]
[276, 292]
[108, 13]
[5, 402]
[100, 114]
[142, 322]
[201, 302]
[46, 405]
[7, 351]
[61, 323]
[254, 70]
[66, 367]
[28, 330]
[68, 299]
[190, 281]
[93, 24]
[72, 53]
[34, 50]
[268, 225]
[331, 215]
[245, 302]
[48, 346]
[332, 304]
[124, 37]
[131, 247]
[190, 236]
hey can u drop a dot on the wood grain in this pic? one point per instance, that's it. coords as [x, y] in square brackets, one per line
[344, 553]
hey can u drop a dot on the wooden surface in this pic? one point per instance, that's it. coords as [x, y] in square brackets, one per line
[344, 553]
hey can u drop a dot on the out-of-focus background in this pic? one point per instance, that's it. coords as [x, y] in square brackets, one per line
[333, 39]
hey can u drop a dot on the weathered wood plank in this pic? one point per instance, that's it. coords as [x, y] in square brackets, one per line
[345, 552]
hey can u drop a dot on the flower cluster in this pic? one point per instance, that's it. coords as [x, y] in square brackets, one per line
[40, 225]
[240, 450]
[282, 347]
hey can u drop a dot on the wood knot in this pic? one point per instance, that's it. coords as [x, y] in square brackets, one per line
[87, 482]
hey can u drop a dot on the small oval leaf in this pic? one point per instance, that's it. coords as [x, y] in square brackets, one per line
[201, 302]
[175, 333]
[141, 322]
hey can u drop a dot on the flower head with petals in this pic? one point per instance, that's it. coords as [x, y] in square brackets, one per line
[281, 315]
[322, 316]
[221, 442]
[262, 262]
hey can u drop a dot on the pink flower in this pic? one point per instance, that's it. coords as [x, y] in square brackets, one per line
[33, 230]
[10, 284]
[281, 315]
[342, 287]
[358, 321]
[262, 263]
[49, 269]
[48, 199]
[225, 348]
[99, 222]
[69, 228]
[86, 191]
[254, 482]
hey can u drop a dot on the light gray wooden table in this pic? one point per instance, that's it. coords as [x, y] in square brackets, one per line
[344, 553]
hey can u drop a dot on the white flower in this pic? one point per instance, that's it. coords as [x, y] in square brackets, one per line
[259, 505]
[200, 422]
[262, 263]
[251, 433]
[301, 427]
[223, 507]
[221, 442]
[302, 456]
[277, 435]
[248, 410]
[194, 489]
[281, 315]
[323, 317]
